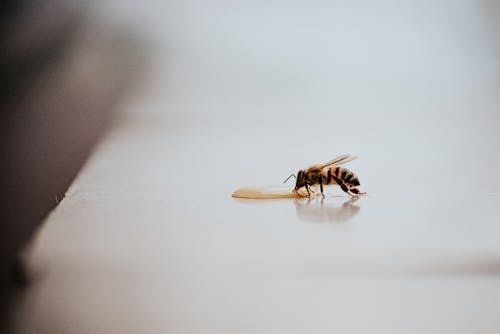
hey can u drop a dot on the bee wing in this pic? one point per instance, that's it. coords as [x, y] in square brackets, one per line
[339, 161]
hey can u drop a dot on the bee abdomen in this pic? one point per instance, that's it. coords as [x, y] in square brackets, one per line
[355, 181]
[345, 176]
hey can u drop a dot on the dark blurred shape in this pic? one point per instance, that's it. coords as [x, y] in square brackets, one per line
[60, 77]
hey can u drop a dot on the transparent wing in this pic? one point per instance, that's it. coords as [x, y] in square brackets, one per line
[339, 161]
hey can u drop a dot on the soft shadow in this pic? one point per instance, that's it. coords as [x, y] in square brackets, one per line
[321, 211]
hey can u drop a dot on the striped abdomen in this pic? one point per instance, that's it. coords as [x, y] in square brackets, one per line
[344, 175]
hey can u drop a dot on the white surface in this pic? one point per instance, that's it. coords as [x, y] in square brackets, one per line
[148, 238]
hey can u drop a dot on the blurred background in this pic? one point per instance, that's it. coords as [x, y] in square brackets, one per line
[318, 56]
[127, 125]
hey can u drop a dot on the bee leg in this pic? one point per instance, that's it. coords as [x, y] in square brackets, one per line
[321, 186]
[342, 185]
[297, 193]
[308, 192]
[356, 192]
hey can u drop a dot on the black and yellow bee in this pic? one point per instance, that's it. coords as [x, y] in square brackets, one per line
[328, 174]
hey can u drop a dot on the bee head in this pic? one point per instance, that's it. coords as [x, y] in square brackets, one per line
[301, 180]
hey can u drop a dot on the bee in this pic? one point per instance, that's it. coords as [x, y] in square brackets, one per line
[328, 174]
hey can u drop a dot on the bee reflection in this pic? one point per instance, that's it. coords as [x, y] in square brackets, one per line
[314, 210]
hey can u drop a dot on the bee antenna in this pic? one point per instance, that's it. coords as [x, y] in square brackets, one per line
[288, 178]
